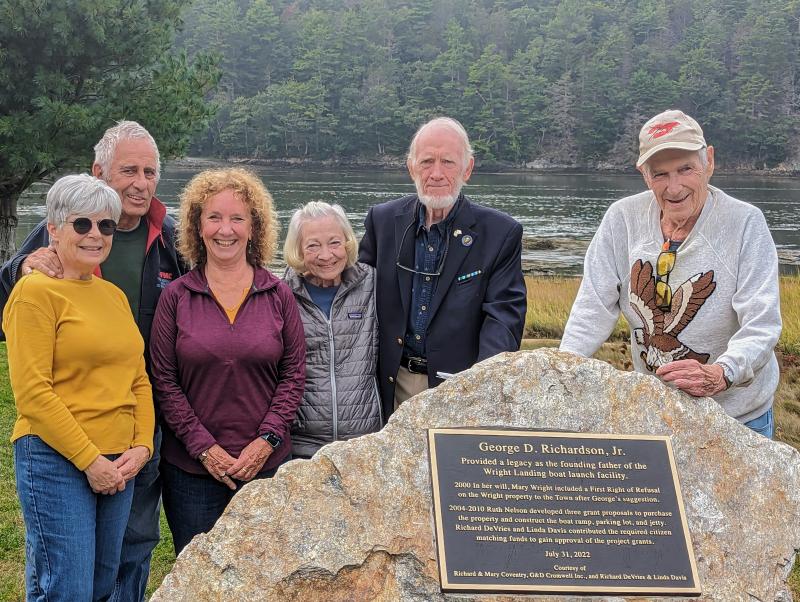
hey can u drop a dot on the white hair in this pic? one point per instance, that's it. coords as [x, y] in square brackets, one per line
[292, 251]
[83, 195]
[124, 130]
[451, 124]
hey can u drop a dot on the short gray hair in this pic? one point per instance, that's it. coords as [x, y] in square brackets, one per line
[702, 154]
[124, 130]
[449, 123]
[80, 194]
[293, 254]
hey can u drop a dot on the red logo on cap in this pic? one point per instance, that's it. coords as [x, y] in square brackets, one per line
[661, 129]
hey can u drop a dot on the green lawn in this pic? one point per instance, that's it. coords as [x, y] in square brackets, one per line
[12, 537]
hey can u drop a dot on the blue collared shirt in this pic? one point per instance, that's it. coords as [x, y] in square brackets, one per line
[430, 248]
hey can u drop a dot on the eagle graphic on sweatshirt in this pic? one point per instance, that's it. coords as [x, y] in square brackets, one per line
[658, 335]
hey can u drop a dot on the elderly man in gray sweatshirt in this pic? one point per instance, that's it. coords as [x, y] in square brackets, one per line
[695, 273]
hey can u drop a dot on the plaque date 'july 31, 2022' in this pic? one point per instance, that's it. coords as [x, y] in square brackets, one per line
[541, 511]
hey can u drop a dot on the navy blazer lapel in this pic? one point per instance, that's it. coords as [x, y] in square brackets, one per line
[404, 233]
[456, 253]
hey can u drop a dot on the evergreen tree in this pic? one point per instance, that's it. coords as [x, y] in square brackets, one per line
[569, 81]
[69, 69]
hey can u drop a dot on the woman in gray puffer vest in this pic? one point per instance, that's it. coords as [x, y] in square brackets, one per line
[336, 297]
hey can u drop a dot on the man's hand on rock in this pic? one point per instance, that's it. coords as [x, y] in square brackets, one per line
[696, 379]
[43, 260]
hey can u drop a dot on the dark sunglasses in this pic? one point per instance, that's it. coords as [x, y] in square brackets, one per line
[664, 265]
[83, 225]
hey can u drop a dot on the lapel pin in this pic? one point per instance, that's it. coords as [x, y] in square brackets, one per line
[456, 233]
[466, 240]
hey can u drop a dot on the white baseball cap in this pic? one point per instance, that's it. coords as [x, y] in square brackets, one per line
[670, 129]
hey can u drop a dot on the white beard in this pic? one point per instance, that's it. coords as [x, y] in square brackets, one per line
[438, 202]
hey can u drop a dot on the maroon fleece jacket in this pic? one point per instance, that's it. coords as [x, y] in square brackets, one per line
[226, 383]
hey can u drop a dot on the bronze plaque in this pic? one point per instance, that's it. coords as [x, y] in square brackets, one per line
[553, 512]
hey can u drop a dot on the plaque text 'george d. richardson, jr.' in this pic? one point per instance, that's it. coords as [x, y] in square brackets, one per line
[559, 512]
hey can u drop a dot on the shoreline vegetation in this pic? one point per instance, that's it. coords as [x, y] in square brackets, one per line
[398, 163]
[549, 302]
[542, 83]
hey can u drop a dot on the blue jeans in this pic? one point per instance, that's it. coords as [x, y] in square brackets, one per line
[193, 503]
[142, 533]
[73, 536]
[763, 425]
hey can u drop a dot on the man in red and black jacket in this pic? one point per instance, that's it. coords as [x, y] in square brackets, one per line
[142, 262]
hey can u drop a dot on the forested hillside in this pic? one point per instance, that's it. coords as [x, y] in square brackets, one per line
[556, 82]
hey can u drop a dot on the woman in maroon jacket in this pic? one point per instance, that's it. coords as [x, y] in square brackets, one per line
[228, 352]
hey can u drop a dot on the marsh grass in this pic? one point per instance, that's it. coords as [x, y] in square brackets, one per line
[787, 401]
[790, 312]
[549, 302]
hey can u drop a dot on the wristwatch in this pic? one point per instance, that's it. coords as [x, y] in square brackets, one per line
[727, 375]
[203, 456]
[272, 439]
[727, 380]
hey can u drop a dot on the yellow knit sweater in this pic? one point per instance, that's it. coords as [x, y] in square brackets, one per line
[75, 359]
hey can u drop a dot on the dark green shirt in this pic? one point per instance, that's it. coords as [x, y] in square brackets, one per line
[125, 262]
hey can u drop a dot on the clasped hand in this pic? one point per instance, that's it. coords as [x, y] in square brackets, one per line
[104, 476]
[225, 468]
[109, 476]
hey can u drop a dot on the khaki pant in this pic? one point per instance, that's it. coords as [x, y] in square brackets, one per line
[408, 384]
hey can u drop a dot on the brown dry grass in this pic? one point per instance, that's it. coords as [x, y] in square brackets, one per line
[549, 302]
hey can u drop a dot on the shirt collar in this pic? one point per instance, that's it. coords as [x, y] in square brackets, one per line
[443, 225]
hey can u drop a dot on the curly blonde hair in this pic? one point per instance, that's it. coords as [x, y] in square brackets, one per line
[257, 199]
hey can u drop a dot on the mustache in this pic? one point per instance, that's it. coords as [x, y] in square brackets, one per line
[438, 202]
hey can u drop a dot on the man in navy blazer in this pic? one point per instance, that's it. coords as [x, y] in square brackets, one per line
[450, 290]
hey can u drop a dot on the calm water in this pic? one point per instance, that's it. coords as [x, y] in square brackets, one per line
[559, 212]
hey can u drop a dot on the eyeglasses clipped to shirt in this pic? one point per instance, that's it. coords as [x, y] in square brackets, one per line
[439, 267]
[664, 266]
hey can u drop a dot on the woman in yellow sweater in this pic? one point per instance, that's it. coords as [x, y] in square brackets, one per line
[84, 405]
